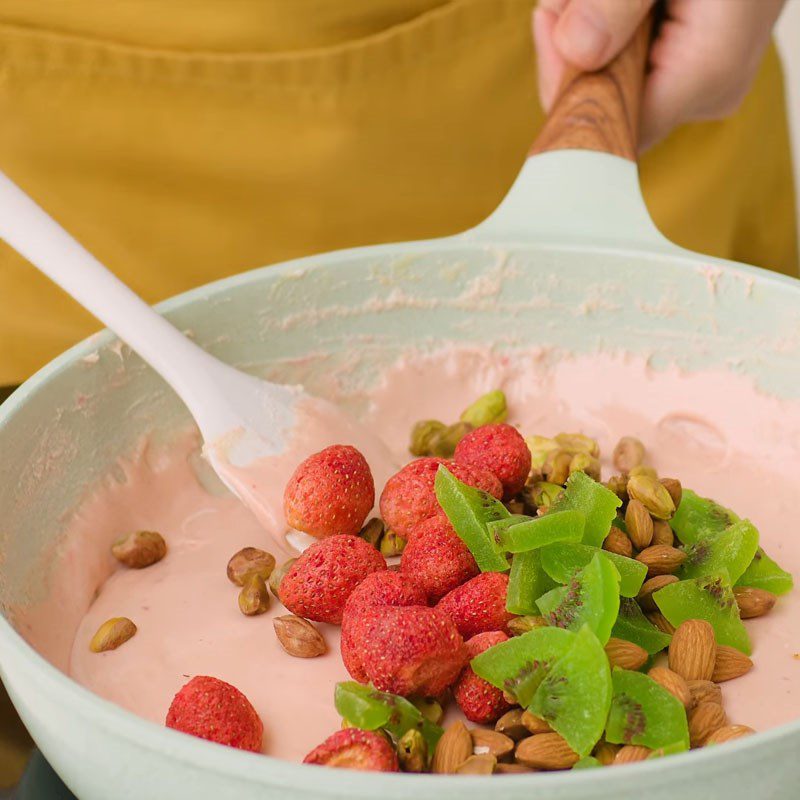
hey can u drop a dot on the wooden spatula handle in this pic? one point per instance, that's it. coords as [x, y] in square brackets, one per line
[600, 110]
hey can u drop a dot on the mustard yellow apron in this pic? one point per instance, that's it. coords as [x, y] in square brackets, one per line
[187, 140]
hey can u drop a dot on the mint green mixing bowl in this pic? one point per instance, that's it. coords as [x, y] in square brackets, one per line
[570, 260]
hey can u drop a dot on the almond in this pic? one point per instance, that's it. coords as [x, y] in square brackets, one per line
[477, 765]
[535, 724]
[546, 751]
[729, 733]
[298, 637]
[704, 692]
[662, 533]
[625, 655]
[645, 596]
[673, 486]
[628, 453]
[673, 683]
[693, 650]
[511, 769]
[520, 625]
[705, 720]
[730, 663]
[453, 749]
[661, 622]
[617, 542]
[632, 753]
[753, 602]
[605, 753]
[491, 742]
[661, 559]
[511, 725]
[639, 524]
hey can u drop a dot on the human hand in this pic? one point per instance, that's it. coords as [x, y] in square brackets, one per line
[701, 64]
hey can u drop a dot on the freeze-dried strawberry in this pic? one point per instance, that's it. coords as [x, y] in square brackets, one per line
[501, 450]
[478, 605]
[323, 577]
[480, 702]
[331, 492]
[352, 748]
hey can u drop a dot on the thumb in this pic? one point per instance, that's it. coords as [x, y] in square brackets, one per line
[589, 33]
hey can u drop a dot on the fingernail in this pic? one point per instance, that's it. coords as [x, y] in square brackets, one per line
[584, 36]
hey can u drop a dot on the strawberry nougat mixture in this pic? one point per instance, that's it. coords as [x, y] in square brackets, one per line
[406, 604]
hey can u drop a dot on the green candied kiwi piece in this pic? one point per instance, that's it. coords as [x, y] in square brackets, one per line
[519, 665]
[531, 533]
[698, 517]
[590, 598]
[369, 709]
[764, 573]
[732, 550]
[598, 504]
[470, 511]
[587, 762]
[575, 695]
[645, 713]
[633, 626]
[710, 598]
[561, 561]
[488, 409]
[527, 582]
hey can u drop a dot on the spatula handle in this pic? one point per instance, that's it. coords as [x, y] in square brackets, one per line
[600, 110]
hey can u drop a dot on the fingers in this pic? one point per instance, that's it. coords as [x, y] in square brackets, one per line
[703, 62]
[589, 33]
[585, 33]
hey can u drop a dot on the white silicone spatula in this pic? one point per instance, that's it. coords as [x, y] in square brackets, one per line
[255, 432]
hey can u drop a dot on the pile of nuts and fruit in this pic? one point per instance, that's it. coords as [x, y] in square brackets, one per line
[575, 623]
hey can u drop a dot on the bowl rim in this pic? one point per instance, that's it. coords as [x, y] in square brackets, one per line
[262, 769]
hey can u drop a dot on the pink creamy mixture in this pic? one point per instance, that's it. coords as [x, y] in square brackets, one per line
[715, 432]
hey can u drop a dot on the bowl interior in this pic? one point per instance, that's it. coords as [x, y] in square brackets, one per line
[307, 320]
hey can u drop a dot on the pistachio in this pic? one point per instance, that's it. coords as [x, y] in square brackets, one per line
[542, 494]
[639, 524]
[412, 751]
[254, 597]
[652, 495]
[520, 625]
[583, 462]
[605, 752]
[515, 506]
[298, 637]
[540, 447]
[673, 486]
[430, 708]
[628, 454]
[556, 468]
[139, 549]
[392, 544]
[445, 442]
[111, 634]
[487, 409]
[422, 436]
[277, 576]
[619, 485]
[643, 471]
[250, 561]
[372, 532]
[574, 443]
